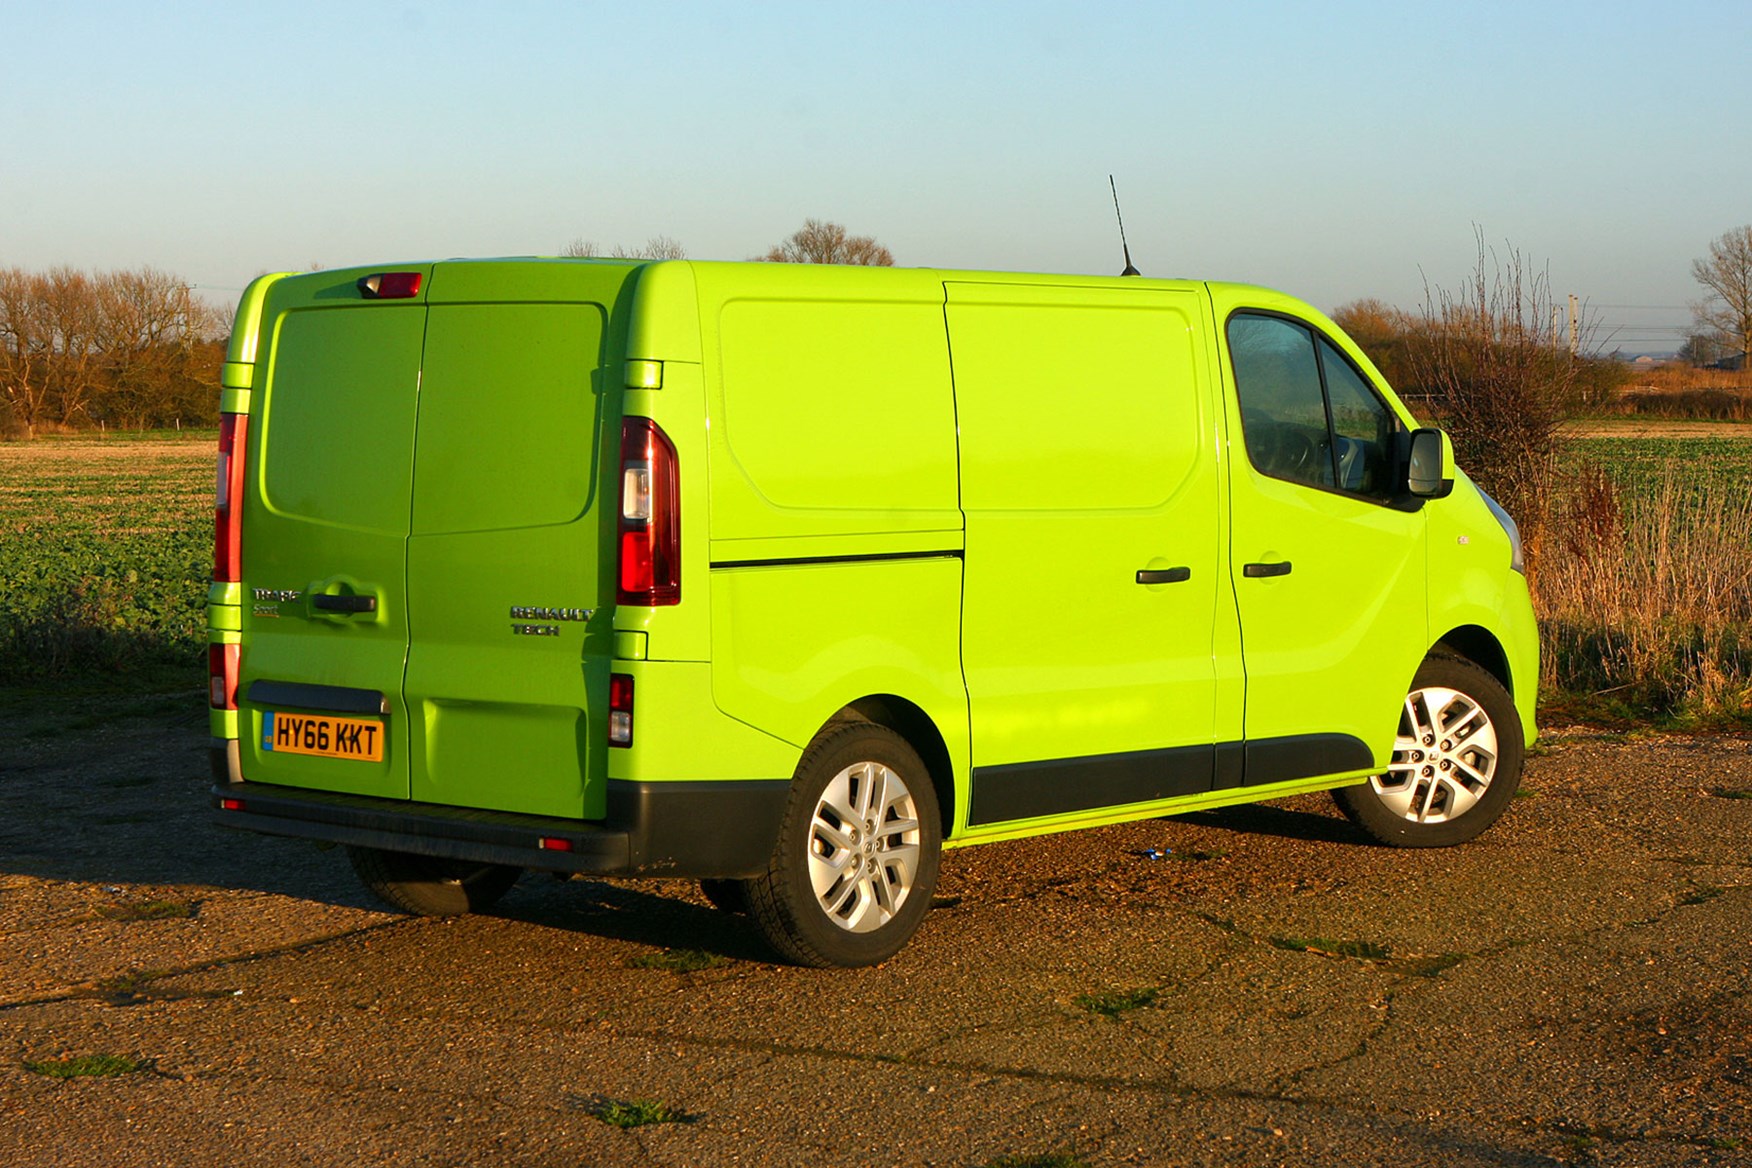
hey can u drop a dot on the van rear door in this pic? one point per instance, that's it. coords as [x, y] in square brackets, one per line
[325, 625]
[510, 552]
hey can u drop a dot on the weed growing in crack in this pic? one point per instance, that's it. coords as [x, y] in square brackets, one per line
[676, 960]
[1730, 793]
[127, 989]
[1044, 1160]
[87, 1066]
[1357, 950]
[631, 1113]
[1111, 1004]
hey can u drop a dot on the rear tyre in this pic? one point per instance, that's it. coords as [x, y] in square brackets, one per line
[856, 860]
[1456, 760]
[430, 886]
[726, 895]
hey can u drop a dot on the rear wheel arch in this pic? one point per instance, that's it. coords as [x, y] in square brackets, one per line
[913, 724]
[852, 872]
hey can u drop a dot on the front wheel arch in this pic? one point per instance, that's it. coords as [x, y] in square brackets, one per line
[1456, 761]
[1481, 647]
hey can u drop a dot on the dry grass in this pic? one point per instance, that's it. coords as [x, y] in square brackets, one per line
[1645, 601]
[1684, 391]
[1676, 377]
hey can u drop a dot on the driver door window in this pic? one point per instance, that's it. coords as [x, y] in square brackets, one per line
[1307, 414]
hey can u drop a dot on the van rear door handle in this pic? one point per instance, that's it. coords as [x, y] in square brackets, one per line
[323, 602]
[1281, 568]
[1163, 575]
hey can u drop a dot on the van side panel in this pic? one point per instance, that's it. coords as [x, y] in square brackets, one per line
[1088, 453]
[795, 643]
[835, 529]
[831, 414]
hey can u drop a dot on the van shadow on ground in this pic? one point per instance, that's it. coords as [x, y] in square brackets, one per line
[117, 794]
[1284, 822]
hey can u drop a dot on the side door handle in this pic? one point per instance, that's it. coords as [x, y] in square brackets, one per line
[1281, 568]
[323, 602]
[1164, 575]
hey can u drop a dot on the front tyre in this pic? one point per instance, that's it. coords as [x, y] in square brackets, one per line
[852, 872]
[1456, 760]
[429, 886]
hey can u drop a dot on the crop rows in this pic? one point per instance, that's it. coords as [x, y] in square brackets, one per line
[1699, 467]
[105, 552]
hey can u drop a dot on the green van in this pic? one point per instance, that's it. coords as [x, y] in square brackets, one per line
[785, 577]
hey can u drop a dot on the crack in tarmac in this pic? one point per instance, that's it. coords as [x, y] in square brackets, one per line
[1280, 1093]
[95, 989]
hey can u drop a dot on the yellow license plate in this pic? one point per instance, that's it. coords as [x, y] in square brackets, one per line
[355, 738]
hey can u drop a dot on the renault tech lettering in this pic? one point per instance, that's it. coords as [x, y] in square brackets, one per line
[785, 577]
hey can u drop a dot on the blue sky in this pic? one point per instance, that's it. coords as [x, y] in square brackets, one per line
[1335, 151]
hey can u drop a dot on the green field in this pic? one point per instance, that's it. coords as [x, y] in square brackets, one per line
[105, 552]
[1699, 466]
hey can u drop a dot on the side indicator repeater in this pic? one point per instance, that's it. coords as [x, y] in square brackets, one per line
[390, 285]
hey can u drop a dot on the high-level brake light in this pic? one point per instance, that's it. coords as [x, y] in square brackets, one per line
[390, 285]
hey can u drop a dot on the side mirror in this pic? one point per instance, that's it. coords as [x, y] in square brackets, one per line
[1430, 469]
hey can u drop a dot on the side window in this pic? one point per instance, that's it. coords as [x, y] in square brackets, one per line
[1283, 411]
[1307, 414]
[1362, 427]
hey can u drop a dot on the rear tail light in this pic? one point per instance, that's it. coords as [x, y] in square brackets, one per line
[222, 663]
[228, 499]
[650, 516]
[620, 709]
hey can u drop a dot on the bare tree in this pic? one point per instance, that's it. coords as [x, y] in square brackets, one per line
[150, 325]
[821, 242]
[124, 348]
[1727, 274]
[23, 349]
[1500, 381]
[1381, 331]
[658, 247]
[72, 320]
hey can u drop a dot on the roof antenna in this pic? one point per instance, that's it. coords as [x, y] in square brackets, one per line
[1129, 270]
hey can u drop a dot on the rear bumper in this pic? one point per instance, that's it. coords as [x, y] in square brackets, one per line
[694, 829]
